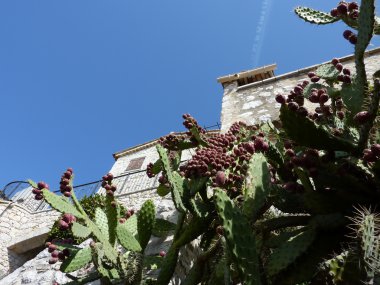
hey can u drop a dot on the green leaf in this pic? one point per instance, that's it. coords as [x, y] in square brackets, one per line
[76, 260]
[80, 231]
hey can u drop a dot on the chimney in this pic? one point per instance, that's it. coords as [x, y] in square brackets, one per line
[249, 76]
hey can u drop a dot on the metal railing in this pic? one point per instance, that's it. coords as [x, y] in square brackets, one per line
[20, 192]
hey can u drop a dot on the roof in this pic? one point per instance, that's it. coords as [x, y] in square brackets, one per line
[149, 144]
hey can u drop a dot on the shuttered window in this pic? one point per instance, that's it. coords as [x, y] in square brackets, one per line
[135, 164]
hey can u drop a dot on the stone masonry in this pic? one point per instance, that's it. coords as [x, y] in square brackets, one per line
[255, 102]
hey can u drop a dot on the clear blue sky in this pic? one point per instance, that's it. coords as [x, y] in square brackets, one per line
[80, 80]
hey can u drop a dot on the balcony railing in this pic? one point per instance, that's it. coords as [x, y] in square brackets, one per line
[20, 192]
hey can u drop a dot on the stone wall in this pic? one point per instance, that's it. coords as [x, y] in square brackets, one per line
[255, 102]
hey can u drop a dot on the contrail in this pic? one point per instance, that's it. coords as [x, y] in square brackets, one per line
[260, 31]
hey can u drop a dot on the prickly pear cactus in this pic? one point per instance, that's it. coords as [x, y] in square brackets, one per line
[108, 232]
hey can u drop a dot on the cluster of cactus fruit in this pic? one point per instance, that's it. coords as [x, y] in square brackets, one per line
[117, 242]
[287, 202]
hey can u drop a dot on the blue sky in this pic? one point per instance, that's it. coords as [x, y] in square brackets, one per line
[80, 80]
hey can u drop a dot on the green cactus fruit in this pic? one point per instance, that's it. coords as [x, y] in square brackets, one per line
[76, 260]
[289, 251]
[126, 239]
[145, 222]
[61, 204]
[257, 188]
[80, 231]
[175, 180]
[162, 228]
[102, 222]
[314, 17]
[240, 241]
[327, 71]
[131, 224]
[305, 132]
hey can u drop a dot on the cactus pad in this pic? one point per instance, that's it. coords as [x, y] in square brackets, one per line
[145, 222]
[131, 224]
[102, 222]
[314, 17]
[80, 231]
[289, 251]
[76, 260]
[162, 227]
[61, 204]
[239, 239]
[257, 186]
[327, 71]
[126, 239]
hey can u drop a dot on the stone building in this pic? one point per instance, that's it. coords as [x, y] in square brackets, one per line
[248, 96]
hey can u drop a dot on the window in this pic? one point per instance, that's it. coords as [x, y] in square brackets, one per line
[135, 164]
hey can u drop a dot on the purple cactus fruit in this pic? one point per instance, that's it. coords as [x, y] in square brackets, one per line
[54, 253]
[132, 211]
[220, 178]
[109, 176]
[293, 106]
[104, 177]
[334, 12]
[63, 225]
[323, 98]
[290, 152]
[52, 247]
[311, 74]
[354, 14]
[290, 186]
[113, 188]
[347, 34]
[287, 145]
[353, 39]
[69, 218]
[259, 141]
[107, 187]
[369, 157]
[353, 6]
[280, 99]
[128, 214]
[122, 220]
[38, 197]
[347, 79]
[335, 61]
[36, 191]
[302, 111]
[110, 193]
[162, 253]
[219, 230]
[53, 260]
[61, 256]
[65, 181]
[313, 172]
[342, 9]
[375, 149]
[362, 117]
[339, 66]
[67, 174]
[315, 79]
[340, 115]
[42, 185]
[67, 194]
[298, 90]
[66, 252]
[70, 170]
[346, 71]
[314, 98]
[340, 77]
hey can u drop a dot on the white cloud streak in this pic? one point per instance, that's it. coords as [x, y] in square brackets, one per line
[264, 15]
